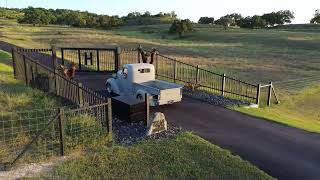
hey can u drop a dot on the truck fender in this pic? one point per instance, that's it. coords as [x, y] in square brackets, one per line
[114, 85]
[141, 92]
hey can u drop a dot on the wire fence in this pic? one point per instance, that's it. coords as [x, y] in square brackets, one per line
[31, 136]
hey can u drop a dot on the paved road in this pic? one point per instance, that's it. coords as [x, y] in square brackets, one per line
[281, 151]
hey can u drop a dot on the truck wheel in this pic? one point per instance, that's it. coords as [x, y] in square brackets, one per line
[109, 89]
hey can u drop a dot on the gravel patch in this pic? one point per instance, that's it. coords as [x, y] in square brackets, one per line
[213, 99]
[126, 133]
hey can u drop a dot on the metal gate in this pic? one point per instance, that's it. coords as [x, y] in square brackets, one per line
[91, 59]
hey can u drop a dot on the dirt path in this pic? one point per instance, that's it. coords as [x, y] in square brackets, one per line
[32, 170]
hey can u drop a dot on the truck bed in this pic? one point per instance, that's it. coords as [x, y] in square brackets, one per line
[161, 85]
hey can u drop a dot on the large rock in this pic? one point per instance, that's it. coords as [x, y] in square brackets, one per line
[157, 124]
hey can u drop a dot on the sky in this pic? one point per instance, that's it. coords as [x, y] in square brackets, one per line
[191, 9]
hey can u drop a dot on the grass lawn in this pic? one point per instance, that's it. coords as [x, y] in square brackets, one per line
[184, 157]
[14, 95]
[300, 110]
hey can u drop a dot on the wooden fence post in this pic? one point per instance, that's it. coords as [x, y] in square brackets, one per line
[157, 56]
[61, 130]
[223, 84]
[98, 60]
[147, 108]
[269, 94]
[117, 59]
[197, 75]
[79, 59]
[109, 117]
[258, 94]
[175, 71]
[25, 69]
[62, 56]
[13, 50]
[139, 53]
[54, 57]
[80, 95]
[54, 64]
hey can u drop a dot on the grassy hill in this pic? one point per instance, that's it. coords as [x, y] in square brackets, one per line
[255, 55]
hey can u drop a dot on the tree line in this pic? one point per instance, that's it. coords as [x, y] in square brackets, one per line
[42, 16]
[256, 21]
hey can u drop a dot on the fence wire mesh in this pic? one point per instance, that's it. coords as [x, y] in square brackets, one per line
[31, 136]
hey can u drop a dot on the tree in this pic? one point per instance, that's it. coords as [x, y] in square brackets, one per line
[206, 20]
[36, 16]
[181, 26]
[316, 18]
[278, 18]
[270, 18]
[285, 17]
[235, 18]
[225, 21]
[147, 14]
[257, 22]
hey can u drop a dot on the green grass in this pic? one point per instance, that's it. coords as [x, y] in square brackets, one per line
[14, 95]
[184, 157]
[300, 110]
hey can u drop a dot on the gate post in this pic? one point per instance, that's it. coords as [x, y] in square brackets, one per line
[117, 59]
[25, 69]
[258, 94]
[79, 57]
[269, 94]
[197, 75]
[62, 56]
[13, 50]
[54, 57]
[98, 60]
[223, 84]
[175, 71]
[61, 130]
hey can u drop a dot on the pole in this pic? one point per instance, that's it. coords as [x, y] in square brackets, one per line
[258, 94]
[109, 119]
[147, 108]
[197, 75]
[269, 94]
[61, 130]
[13, 50]
[175, 71]
[223, 84]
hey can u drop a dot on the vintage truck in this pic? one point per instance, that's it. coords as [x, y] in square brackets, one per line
[139, 79]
